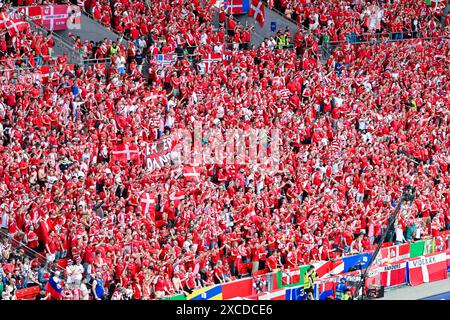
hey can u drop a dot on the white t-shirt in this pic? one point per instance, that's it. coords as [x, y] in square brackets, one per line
[4, 222]
[120, 62]
[338, 101]
[203, 38]
[69, 272]
[399, 234]
[77, 272]
[362, 124]
[84, 292]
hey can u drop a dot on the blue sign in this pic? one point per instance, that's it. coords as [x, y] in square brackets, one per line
[358, 260]
[273, 26]
[295, 294]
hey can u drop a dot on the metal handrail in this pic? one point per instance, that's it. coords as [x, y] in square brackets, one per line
[327, 50]
[32, 254]
[59, 41]
[19, 69]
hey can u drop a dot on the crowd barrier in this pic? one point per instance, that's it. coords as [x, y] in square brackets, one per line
[409, 263]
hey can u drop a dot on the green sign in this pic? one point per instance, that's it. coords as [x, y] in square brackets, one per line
[176, 297]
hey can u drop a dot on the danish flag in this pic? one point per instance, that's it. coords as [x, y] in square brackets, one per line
[148, 204]
[278, 81]
[210, 58]
[190, 174]
[236, 6]
[3, 19]
[125, 152]
[16, 26]
[257, 11]
[154, 96]
[176, 197]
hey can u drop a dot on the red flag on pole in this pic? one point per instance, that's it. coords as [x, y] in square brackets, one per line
[257, 11]
[15, 26]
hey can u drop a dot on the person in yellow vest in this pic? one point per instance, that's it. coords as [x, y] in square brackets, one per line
[308, 280]
[114, 49]
[282, 42]
[347, 295]
[286, 38]
[313, 273]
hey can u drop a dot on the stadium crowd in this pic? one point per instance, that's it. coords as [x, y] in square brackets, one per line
[356, 130]
[171, 24]
[344, 20]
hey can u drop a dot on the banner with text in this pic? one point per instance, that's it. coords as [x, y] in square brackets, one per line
[158, 153]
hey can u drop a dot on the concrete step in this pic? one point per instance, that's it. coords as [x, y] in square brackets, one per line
[272, 17]
[446, 11]
[90, 30]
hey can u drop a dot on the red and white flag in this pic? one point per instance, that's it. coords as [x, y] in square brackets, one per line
[428, 268]
[125, 152]
[176, 197]
[393, 274]
[337, 267]
[278, 82]
[16, 26]
[191, 173]
[257, 11]
[322, 268]
[55, 17]
[210, 58]
[4, 18]
[33, 12]
[328, 268]
[148, 204]
[154, 96]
